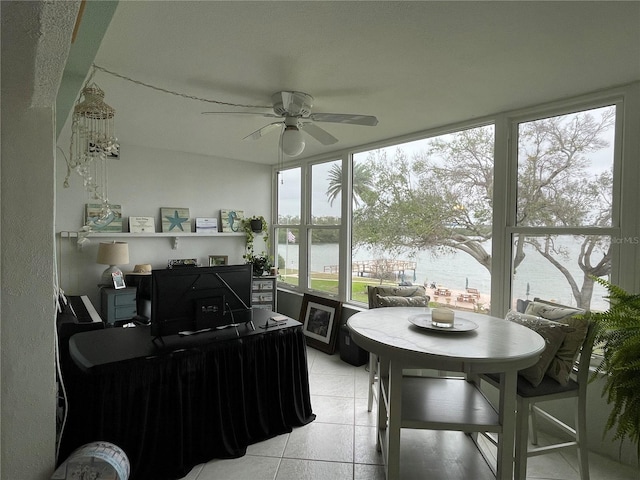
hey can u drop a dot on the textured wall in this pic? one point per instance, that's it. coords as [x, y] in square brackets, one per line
[31, 70]
[27, 310]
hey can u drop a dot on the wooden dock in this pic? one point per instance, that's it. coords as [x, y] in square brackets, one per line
[380, 268]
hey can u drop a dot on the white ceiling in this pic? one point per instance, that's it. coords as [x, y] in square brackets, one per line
[415, 65]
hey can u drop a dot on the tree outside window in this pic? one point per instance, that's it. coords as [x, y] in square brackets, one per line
[431, 201]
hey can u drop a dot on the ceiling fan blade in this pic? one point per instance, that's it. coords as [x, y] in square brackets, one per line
[263, 131]
[319, 134]
[269, 115]
[368, 120]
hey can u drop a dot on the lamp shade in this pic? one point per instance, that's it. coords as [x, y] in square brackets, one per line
[292, 141]
[113, 253]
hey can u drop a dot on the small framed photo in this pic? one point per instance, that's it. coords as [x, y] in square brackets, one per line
[218, 260]
[206, 225]
[118, 280]
[321, 321]
[142, 224]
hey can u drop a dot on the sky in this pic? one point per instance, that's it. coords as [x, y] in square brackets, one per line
[289, 184]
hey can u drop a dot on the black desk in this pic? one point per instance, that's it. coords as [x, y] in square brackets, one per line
[173, 406]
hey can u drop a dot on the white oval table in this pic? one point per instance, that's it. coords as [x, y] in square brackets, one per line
[444, 403]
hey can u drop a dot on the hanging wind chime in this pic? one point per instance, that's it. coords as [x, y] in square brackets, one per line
[93, 142]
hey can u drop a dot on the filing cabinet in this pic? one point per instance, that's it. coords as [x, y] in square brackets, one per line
[263, 293]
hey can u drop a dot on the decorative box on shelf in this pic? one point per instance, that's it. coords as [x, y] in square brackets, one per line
[264, 292]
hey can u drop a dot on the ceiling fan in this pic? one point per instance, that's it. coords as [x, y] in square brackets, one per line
[294, 111]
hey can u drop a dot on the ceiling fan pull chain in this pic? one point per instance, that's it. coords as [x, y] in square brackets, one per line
[178, 94]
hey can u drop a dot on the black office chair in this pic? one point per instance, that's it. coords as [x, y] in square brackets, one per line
[528, 398]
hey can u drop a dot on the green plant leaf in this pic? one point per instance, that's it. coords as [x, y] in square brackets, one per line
[618, 332]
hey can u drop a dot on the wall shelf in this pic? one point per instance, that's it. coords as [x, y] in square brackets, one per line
[174, 236]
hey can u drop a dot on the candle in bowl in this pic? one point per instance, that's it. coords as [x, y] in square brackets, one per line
[442, 317]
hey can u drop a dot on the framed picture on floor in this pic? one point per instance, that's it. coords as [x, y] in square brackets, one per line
[320, 319]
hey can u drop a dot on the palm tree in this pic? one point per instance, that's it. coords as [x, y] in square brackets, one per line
[361, 182]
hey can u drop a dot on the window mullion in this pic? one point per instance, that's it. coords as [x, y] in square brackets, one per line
[503, 216]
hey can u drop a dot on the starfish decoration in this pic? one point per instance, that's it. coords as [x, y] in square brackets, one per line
[176, 221]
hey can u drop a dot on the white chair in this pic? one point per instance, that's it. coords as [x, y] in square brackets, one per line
[528, 409]
[391, 296]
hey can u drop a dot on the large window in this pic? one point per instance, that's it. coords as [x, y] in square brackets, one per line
[308, 227]
[534, 203]
[287, 228]
[557, 268]
[422, 214]
[324, 231]
[564, 207]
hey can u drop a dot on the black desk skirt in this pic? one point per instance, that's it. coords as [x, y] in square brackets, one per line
[174, 411]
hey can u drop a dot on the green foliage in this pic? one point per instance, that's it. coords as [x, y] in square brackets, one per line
[325, 235]
[441, 198]
[618, 331]
[318, 235]
[330, 285]
[261, 261]
[417, 205]
[362, 182]
[261, 264]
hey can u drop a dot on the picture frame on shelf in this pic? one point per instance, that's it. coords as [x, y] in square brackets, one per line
[320, 319]
[175, 219]
[118, 280]
[215, 260]
[103, 217]
[206, 225]
[142, 225]
[231, 220]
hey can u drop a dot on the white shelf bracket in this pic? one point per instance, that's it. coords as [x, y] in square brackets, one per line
[174, 243]
[74, 238]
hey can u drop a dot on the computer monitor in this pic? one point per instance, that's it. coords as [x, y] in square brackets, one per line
[189, 299]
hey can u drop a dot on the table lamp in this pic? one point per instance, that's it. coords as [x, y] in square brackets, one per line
[112, 254]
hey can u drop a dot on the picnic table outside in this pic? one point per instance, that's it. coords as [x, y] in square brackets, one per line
[466, 297]
[474, 292]
[445, 292]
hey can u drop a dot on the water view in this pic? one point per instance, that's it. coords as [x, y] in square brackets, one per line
[535, 277]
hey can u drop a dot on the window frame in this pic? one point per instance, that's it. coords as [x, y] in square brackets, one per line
[626, 194]
[511, 228]
[306, 224]
[275, 181]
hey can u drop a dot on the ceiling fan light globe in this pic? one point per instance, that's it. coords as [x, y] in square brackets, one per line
[292, 142]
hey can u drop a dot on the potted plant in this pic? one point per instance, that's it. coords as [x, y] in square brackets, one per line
[257, 224]
[252, 226]
[261, 264]
[618, 333]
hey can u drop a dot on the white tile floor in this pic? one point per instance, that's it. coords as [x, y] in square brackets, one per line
[340, 444]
